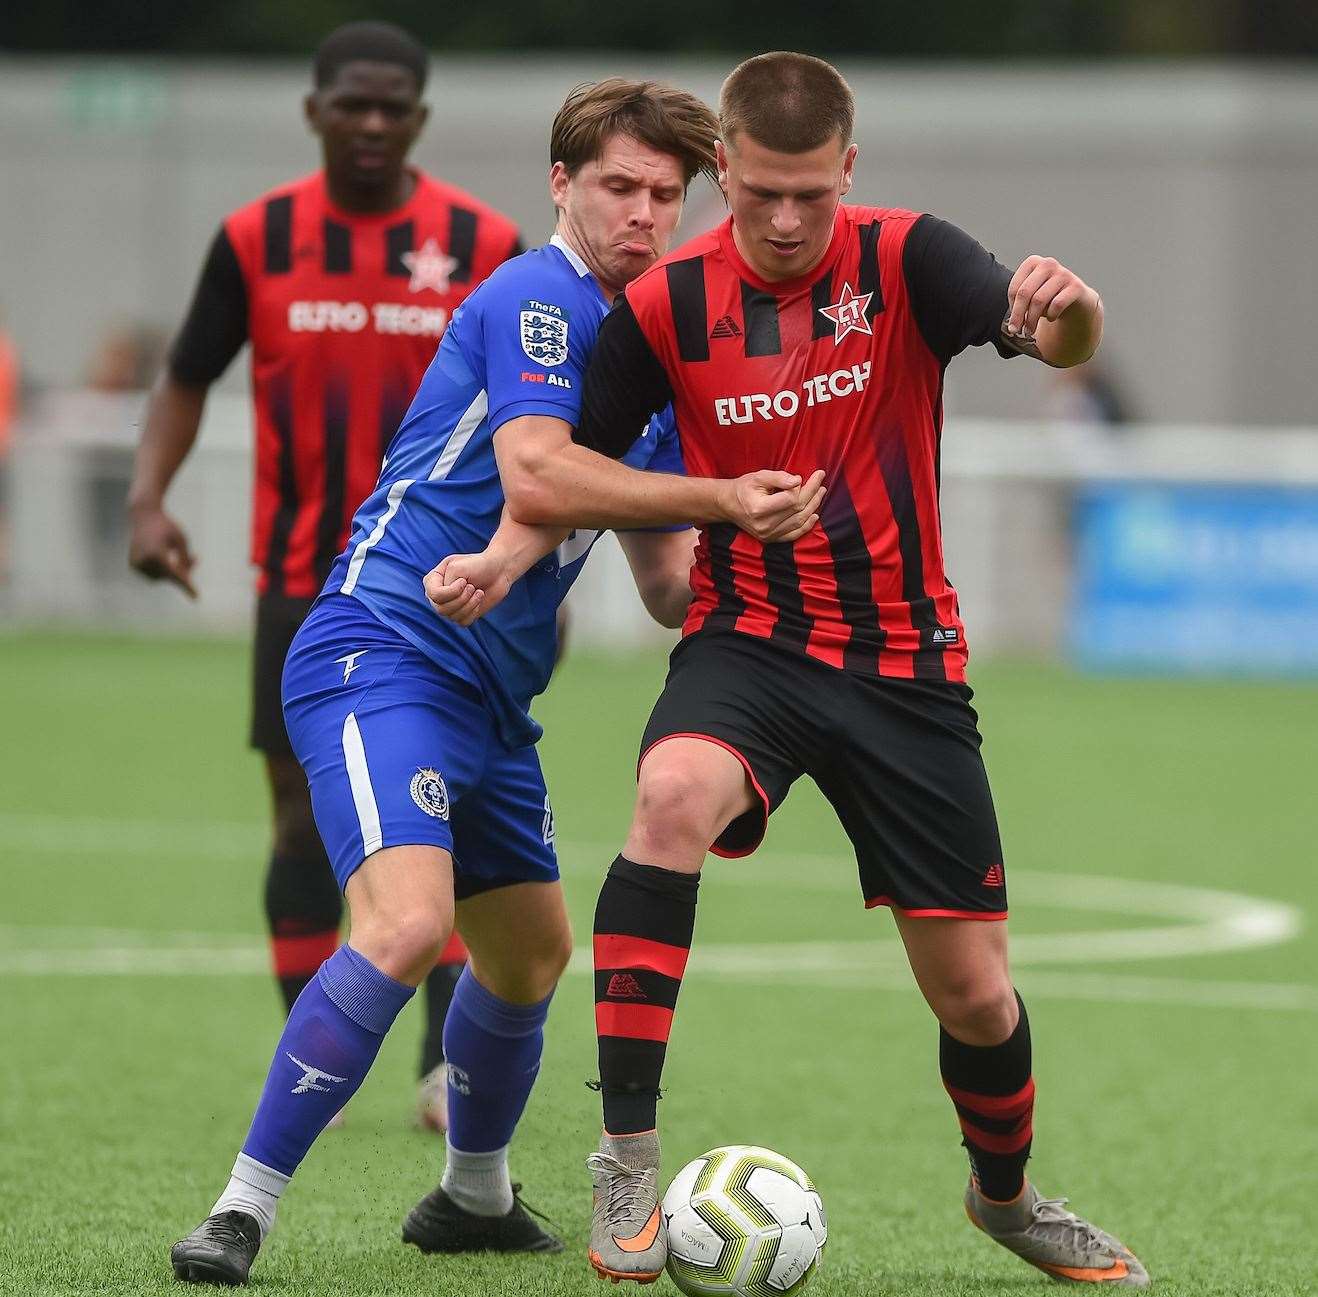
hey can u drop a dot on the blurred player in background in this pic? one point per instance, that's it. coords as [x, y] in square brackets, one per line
[416, 734]
[814, 334]
[343, 282]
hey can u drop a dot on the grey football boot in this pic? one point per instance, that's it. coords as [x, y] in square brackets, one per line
[628, 1234]
[1042, 1232]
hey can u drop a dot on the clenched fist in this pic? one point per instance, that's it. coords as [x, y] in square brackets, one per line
[774, 506]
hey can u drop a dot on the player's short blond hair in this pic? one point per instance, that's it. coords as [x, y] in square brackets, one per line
[787, 102]
[667, 119]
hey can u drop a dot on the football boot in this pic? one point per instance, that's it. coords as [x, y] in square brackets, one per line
[1041, 1231]
[628, 1234]
[220, 1250]
[438, 1224]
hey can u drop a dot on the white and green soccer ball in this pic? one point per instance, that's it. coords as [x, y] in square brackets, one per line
[743, 1220]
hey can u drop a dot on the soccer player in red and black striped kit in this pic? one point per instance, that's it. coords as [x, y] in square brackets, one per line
[814, 336]
[343, 282]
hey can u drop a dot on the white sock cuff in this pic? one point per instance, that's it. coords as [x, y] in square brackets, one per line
[478, 1182]
[461, 1161]
[259, 1176]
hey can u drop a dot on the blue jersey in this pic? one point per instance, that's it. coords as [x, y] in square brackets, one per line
[517, 346]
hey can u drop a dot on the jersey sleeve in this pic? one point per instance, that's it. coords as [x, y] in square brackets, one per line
[536, 338]
[215, 326]
[625, 385]
[958, 290]
[667, 456]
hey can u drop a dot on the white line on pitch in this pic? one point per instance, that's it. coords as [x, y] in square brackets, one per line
[836, 965]
[1206, 921]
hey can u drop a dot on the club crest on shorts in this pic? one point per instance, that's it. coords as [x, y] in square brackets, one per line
[429, 793]
[544, 333]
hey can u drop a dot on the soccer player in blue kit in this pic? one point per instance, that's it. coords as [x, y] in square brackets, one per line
[414, 730]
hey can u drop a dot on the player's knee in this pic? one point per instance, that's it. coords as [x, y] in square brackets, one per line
[979, 1010]
[406, 944]
[673, 801]
[532, 973]
[552, 960]
[422, 937]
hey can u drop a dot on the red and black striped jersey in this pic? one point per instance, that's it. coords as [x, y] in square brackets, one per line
[839, 369]
[344, 311]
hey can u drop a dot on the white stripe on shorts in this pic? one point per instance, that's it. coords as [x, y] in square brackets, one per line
[359, 779]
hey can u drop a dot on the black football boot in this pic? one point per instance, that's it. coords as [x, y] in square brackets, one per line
[438, 1224]
[220, 1250]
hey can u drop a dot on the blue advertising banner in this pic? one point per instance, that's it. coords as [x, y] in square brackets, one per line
[1196, 578]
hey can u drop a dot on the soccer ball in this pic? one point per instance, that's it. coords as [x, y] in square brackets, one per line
[743, 1220]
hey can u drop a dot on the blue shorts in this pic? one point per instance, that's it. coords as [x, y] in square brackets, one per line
[398, 752]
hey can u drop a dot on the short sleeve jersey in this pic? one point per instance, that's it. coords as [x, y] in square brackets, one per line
[518, 346]
[344, 311]
[839, 369]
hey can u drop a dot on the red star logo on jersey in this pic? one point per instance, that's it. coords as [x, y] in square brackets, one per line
[431, 267]
[848, 314]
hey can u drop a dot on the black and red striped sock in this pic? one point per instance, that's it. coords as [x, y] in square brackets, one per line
[643, 924]
[303, 908]
[992, 1089]
[296, 956]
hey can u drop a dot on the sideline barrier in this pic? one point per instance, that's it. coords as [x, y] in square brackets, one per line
[1176, 548]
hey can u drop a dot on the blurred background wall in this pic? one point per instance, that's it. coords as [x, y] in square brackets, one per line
[1167, 150]
[1186, 194]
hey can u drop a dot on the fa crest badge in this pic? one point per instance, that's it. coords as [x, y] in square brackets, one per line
[544, 333]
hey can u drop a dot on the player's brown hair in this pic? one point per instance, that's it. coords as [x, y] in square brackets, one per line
[667, 119]
[788, 102]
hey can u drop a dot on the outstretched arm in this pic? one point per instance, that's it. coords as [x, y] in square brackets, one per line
[550, 480]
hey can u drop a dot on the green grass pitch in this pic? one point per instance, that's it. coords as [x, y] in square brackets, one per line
[1176, 1026]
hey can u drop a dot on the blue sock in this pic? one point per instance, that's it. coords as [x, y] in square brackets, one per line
[493, 1050]
[329, 1043]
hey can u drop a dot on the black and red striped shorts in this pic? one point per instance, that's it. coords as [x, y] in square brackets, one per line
[899, 761]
